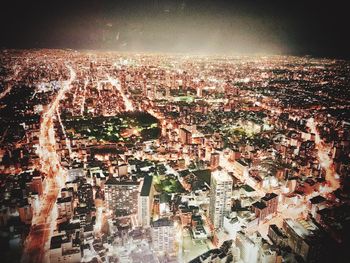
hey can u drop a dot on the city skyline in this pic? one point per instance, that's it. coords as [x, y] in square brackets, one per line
[160, 131]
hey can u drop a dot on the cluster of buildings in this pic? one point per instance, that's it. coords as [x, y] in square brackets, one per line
[251, 162]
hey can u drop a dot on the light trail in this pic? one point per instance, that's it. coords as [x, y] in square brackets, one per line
[127, 101]
[323, 151]
[98, 224]
[44, 222]
[83, 99]
[64, 133]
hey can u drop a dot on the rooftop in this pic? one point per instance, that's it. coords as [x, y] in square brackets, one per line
[222, 176]
[146, 187]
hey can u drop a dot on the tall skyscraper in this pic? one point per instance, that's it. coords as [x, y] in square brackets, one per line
[145, 201]
[220, 197]
[121, 197]
[163, 236]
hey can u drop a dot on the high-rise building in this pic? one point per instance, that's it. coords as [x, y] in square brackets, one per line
[121, 197]
[249, 247]
[271, 202]
[25, 213]
[163, 236]
[37, 184]
[277, 236]
[145, 201]
[220, 197]
[305, 239]
[63, 249]
[267, 206]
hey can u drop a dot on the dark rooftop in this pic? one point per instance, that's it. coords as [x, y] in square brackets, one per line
[147, 184]
[259, 205]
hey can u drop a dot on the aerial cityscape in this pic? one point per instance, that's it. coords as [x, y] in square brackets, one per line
[152, 156]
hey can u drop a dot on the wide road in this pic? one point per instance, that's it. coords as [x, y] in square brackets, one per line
[44, 220]
[326, 162]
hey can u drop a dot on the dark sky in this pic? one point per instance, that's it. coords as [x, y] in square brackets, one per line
[191, 26]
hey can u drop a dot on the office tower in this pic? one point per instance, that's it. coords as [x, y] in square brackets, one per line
[121, 197]
[145, 201]
[220, 197]
[163, 236]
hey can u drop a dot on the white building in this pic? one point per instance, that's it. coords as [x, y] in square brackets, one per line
[163, 236]
[220, 197]
[145, 201]
[249, 248]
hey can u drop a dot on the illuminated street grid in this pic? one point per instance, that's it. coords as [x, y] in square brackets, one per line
[109, 157]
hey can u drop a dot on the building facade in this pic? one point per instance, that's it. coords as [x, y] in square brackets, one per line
[220, 197]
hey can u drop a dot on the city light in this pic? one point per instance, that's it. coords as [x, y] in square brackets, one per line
[174, 131]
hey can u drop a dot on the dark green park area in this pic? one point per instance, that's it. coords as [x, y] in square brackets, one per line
[168, 185]
[128, 127]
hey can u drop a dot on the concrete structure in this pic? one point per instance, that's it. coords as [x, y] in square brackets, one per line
[145, 201]
[121, 197]
[163, 236]
[220, 197]
[305, 239]
[241, 168]
[65, 207]
[62, 249]
[249, 248]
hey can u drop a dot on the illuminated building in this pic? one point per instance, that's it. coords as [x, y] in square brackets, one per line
[220, 197]
[85, 194]
[271, 202]
[37, 185]
[266, 206]
[304, 238]
[163, 236]
[25, 213]
[122, 169]
[63, 249]
[121, 197]
[277, 236]
[249, 248]
[75, 173]
[145, 201]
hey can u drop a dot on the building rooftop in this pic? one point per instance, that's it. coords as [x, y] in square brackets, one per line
[269, 196]
[57, 241]
[317, 199]
[259, 205]
[162, 222]
[114, 181]
[146, 187]
[222, 176]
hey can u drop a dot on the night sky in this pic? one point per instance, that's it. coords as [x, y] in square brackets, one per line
[187, 26]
